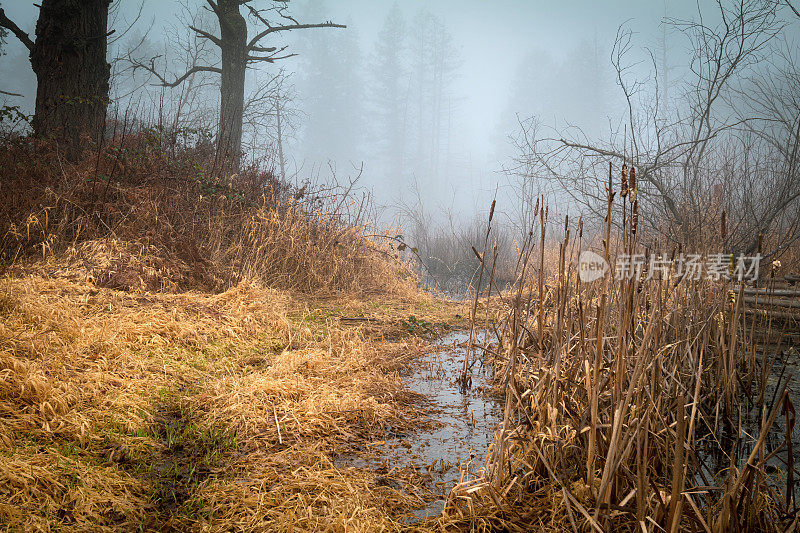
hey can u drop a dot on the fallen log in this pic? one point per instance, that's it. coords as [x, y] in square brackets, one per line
[785, 315]
[765, 291]
[772, 302]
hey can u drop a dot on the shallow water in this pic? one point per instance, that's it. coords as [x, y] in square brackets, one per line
[463, 424]
[746, 430]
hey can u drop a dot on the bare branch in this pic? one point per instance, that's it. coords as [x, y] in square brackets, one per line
[214, 6]
[788, 3]
[274, 29]
[262, 49]
[214, 39]
[190, 72]
[9, 24]
[269, 59]
[178, 80]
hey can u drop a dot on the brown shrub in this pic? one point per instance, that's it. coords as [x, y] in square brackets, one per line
[135, 216]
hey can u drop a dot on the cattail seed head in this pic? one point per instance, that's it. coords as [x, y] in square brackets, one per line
[624, 182]
[635, 220]
[632, 181]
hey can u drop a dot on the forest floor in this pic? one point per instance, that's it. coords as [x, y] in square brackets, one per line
[126, 410]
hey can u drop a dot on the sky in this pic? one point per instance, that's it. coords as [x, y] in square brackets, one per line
[492, 40]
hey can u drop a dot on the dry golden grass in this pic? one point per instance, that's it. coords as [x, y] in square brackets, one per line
[150, 380]
[198, 411]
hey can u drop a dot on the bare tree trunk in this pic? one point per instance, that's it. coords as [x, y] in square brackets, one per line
[69, 59]
[233, 30]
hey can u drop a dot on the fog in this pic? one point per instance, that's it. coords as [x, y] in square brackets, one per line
[503, 61]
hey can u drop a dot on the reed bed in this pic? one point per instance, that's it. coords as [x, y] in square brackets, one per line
[617, 394]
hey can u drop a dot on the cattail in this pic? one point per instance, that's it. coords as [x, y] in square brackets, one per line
[635, 221]
[632, 184]
[610, 179]
[491, 211]
[580, 227]
[723, 225]
[624, 183]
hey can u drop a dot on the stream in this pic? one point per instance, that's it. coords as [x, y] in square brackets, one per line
[461, 429]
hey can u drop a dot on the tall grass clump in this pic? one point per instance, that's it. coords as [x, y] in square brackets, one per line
[646, 404]
[153, 210]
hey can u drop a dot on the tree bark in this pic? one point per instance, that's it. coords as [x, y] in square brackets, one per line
[233, 32]
[72, 72]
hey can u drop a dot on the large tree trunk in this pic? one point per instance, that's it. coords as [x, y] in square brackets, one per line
[233, 30]
[69, 59]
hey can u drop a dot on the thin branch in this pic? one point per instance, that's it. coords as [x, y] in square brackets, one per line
[163, 81]
[269, 59]
[788, 3]
[273, 29]
[263, 49]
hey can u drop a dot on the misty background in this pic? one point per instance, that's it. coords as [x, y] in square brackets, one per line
[466, 72]
[434, 109]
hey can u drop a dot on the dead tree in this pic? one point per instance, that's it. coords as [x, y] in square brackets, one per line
[270, 112]
[237, 54]
[690, 159]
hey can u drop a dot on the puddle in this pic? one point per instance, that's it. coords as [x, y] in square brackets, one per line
[462, 428]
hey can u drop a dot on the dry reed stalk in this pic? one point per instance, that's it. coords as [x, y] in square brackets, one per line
[611, 403]
[473, 314]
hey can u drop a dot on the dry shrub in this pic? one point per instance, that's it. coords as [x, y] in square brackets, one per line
[134, 216]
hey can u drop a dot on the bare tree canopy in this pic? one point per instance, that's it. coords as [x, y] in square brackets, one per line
[732, 130]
